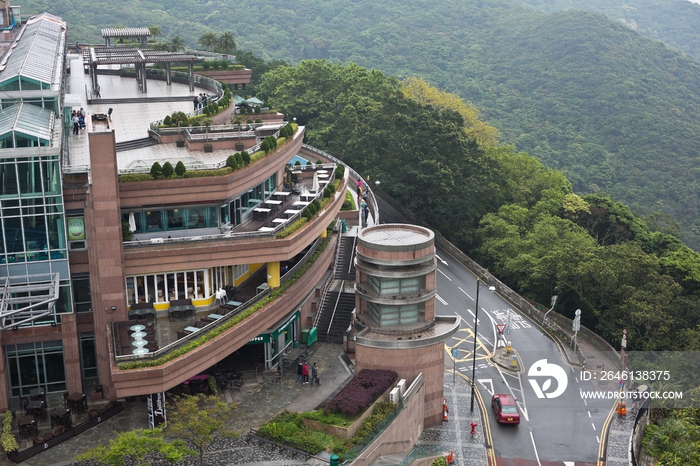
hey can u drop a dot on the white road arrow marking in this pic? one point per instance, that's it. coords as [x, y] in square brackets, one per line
[484, 383]
[441, 259]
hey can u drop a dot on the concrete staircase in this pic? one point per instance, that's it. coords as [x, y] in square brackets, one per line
[345, 269]
[136, 144]
[335, 316]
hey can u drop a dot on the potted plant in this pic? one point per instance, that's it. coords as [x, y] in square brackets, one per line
[207, 122]
[7, 438]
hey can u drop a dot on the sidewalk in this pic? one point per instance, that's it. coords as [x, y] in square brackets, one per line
[257, 403]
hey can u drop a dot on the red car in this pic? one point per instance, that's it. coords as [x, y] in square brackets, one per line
[505, 408]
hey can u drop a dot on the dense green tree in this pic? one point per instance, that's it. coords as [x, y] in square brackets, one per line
[226, 43]
[208, 40]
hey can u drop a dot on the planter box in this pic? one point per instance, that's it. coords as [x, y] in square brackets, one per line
[180, 143]
[208, 148]
[240, 147]
[346, 432]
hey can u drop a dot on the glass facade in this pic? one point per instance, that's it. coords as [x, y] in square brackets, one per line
[88, 360]
[31, 210]
[33, 365]
[385, 314]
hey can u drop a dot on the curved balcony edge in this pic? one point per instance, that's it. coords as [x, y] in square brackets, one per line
[444, 328]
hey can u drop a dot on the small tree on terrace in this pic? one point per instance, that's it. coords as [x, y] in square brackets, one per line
[197, 419]
[137, 447]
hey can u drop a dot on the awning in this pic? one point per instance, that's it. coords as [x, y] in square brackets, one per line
[276, 330]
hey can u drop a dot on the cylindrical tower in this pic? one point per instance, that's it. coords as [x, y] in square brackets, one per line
[395, 300]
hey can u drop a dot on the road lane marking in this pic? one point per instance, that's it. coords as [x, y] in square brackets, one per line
[593, 426]
[589, 414]
[598, 439]
[468, 295]
[441, 300]
[490, 384]
[444, 275]
[537, 457]
[442, 260]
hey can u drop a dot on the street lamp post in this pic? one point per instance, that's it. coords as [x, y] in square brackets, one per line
[476, 324]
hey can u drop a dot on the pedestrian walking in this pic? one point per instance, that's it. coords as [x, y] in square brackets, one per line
[314, 374]
[300, 372]
[305, 373]
[196, 104]
[97, 92]
[366, 212]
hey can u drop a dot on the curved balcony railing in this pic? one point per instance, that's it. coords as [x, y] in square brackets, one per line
[165, 350]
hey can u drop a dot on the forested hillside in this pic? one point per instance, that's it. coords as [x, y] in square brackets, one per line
[512, 214]
[674, 22]
[614, 111]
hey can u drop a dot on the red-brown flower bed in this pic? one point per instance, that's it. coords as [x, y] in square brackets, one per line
[362, 391]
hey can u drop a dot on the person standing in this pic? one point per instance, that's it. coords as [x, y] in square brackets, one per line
[76, 123]
[300, 373]
[97, 92]
[305, 373]
[314, 374]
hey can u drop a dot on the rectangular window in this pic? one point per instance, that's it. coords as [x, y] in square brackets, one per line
[82, 296]
[36, 365]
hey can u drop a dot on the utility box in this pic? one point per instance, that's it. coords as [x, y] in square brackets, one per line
[312, 337]
[304, 336]
[395, 395]
[402, 387]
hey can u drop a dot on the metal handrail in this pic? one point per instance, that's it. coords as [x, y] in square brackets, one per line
[217, 323]
[357, 176]
[335, 267]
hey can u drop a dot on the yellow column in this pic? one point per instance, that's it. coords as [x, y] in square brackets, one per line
[273, 272]
[324, 233]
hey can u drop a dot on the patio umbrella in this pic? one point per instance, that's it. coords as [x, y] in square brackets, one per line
[132, 222]
[315, 186]
[254, 101]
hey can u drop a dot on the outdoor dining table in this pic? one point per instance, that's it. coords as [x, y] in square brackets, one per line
[139, 343]
[140, 351]
[307, 197]
[76, 400]
[291, 212]
[321, 172]
[35, 408]
[138, 335]
[233, 303]
[215, 316]
[272, 202]
[37, 394]
[301, 203]
[279, 220]
[137, 328]
[282, 194]
[60, 416]
[266, 229]
[322, 175]
[190, 329]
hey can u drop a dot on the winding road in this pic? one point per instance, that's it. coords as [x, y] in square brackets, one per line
[558, 426]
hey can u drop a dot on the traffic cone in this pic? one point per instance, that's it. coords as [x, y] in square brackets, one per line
[444, 410]
[450, 458]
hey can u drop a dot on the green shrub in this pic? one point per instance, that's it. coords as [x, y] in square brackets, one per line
[205, 173]
[297, 164]
[339, 172]
[245, 156]
[317, 205]
[265, 145]
[156, 171]
[127, 235]
[135, 177]
[7, 438]
[206, 65]
[249, 121]
[257, 109]
[258, 120]
[439, 462]
[239, 159]
[167, 121]
[327, 192]
[180, 169]
[231, 162]
[167, 170]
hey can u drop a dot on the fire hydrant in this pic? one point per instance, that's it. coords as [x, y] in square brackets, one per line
[473, 426]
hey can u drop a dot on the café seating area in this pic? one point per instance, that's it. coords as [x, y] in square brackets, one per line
[34, 411]
[135, 337]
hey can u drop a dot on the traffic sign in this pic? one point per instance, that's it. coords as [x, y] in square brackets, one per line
[455, 352]
[501, 327]
[577, 321]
